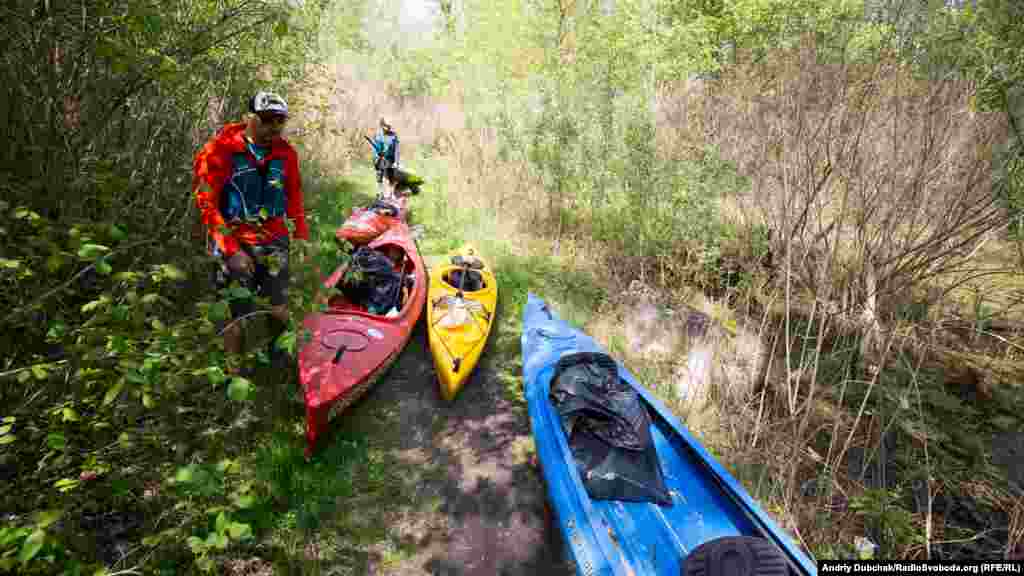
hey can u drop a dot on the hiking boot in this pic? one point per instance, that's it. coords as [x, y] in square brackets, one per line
[246, 372]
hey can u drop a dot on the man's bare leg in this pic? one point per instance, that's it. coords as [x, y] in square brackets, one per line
[278, 325]
[233, 346]
[233, 338]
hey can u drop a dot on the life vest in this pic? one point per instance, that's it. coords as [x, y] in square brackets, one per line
[385, 145]
[255, 191]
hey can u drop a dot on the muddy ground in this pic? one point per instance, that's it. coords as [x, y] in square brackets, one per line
[472, 458]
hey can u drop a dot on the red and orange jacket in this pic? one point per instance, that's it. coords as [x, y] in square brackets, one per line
[221, 172]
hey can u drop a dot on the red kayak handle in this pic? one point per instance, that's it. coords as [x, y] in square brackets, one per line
[337, 357]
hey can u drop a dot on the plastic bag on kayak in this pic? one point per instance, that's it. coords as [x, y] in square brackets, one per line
[371, 280]
[608, 430]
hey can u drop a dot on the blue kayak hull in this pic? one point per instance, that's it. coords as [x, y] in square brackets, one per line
[611, 537]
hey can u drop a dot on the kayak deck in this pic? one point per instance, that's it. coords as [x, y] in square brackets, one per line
[619, 537]
[459, 321]
[350, 348]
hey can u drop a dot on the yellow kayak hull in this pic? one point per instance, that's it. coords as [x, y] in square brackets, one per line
[457, 331]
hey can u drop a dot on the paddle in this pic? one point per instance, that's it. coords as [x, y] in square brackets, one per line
[462, 279]
[398, 288]
[456, 362]
[372, 145]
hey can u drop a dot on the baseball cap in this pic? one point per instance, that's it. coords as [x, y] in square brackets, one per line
[268, 102]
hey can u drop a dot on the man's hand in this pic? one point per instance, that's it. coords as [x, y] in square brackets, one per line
[241, 262]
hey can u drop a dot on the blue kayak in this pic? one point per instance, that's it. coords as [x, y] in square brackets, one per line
[618, 537]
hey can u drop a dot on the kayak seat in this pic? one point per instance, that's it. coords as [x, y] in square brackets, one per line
[735, 556]
[473, 282]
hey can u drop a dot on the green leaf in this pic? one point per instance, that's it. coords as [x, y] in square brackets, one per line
[31, 546]
[219, 311]
[8, 263]
[220, 541]
[47, 517]
[54, 263]
[39, 371]
[185, 474]
[5, 429]
[286, 342]
[245, 501]
[57, 331]
[239, 388]
[103, 267]
[216, 375]
[65, 484]
[25, 214]
[24, 376]
[69, 415]
[91, 251]
[205, 564]
[56, 441]
[239, 293]
[196, 544]
[228, 466]
[9, 419]
[240, 531]
[222, 522]
[147, 400]
[116, 233]
[172, 272]
[8, 439]
[113, 392]
[90, 306]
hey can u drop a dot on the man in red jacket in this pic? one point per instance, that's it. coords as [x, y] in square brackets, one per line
[246, 181]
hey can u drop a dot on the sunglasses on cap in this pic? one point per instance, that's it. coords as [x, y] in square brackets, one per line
[272, 118]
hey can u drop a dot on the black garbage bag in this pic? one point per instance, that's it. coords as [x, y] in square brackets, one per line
[608, 430]
[372, 281]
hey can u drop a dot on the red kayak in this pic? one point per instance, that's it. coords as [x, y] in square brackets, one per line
[351, 348]
[365, 224]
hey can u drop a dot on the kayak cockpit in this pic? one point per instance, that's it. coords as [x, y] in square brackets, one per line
[469, 280]
[378, 281]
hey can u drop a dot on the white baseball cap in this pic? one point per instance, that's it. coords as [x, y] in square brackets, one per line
[268, 102]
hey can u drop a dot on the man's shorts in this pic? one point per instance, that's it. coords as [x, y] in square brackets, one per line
[268, 279]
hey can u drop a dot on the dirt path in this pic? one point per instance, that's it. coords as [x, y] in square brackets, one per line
[468, 458]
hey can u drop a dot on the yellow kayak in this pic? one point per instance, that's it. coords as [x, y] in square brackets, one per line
[459, 321]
